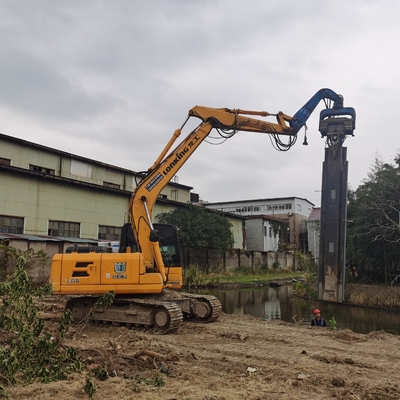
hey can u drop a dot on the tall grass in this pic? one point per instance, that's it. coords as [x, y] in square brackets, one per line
[193, 276]
[375, 296]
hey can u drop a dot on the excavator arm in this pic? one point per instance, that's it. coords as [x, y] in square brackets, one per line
[139, 279]
[171, 159]
[167, 165]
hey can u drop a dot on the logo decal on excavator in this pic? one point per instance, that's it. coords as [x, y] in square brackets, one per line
[181, 154]
[120, 267]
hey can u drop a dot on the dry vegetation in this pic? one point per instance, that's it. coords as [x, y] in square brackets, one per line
[373, 295]
[236, 357]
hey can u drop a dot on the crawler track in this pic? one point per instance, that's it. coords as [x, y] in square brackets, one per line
[202, 308]
[159, 316]
[162, 313]
[211, 302]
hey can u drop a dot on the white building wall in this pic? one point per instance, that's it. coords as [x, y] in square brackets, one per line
[271, 240]
[294, 210]
[254, 235]
[260, 235]
[313, 230]
[237, 232]
[81, 169]
[38, 200]
[273, 206]
[41, 200]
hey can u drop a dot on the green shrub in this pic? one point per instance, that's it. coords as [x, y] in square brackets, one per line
[308, 287]
[29, 352]
[332, 324]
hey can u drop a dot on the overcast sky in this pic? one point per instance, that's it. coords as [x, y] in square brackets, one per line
[112, 80]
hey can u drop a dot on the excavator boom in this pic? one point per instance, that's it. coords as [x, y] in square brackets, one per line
[172, 159]
[148, 263]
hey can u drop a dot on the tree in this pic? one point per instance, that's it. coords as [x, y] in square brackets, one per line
[374, 236]
[199, 229]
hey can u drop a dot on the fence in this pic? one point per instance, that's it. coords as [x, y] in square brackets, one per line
[206, 260]
[238, 258]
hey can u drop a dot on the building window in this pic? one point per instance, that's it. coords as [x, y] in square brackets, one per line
[42, 170]
[109, 232]
[298, 207]
[333, 194]
[11, 224]
[288, 206]
[5, 161]
[270, 231]
[63, 228]
[111, 185]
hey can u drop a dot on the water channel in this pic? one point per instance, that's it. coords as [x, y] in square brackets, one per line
[280, 303]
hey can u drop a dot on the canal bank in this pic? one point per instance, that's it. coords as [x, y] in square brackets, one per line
[235, 357]
[357, 294]
[277, 299]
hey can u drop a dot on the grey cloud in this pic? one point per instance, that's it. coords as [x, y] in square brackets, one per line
[34, 88]
[124, 73]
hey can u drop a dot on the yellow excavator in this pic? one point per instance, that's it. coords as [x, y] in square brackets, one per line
[146, 274]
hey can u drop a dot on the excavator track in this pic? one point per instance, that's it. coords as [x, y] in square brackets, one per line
[200, 301]
[159, 316]
[202, 308]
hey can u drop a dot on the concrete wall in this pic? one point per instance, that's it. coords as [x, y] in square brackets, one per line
[40, 273]
[205, 259]
[229, 261]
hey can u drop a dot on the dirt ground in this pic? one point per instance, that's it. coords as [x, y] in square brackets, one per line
[236, 357]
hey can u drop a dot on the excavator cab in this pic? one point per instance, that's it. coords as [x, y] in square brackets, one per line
[165, 234]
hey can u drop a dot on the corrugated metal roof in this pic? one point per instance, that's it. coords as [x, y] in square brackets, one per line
[75, 240]
[18, 236]
[34, 238]
[25, 143]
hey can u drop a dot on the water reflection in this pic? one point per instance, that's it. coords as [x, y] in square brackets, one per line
[280, 303]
